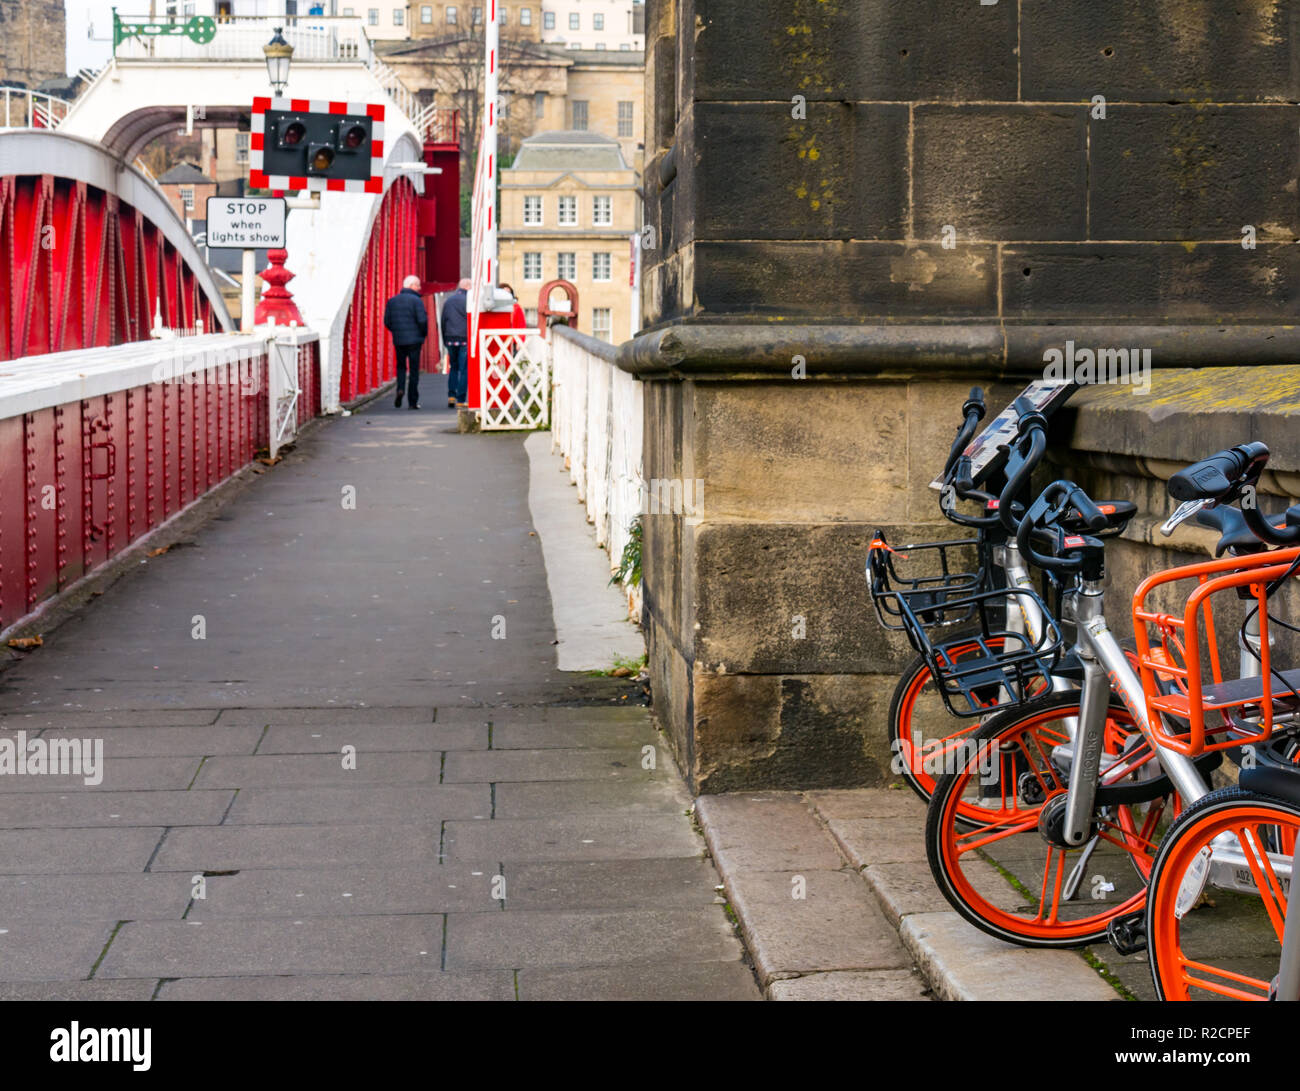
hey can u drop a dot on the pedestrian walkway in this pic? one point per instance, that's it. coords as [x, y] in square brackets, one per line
[340, 762]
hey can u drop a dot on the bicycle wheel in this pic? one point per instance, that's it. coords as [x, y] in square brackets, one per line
[1211, 934]
[983, 836]
[923, 734]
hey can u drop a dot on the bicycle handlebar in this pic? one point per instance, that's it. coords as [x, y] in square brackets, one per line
[973, 413]
[1222, 476]
[1231, 475]
[1054, 501]
[1033, 432]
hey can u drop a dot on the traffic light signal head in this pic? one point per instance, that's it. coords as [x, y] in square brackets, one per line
[339, 147]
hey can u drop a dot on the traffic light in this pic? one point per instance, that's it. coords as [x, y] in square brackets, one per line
[337, 148]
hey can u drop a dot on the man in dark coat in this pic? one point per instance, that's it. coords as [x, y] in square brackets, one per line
[407, 320]
[455, 340]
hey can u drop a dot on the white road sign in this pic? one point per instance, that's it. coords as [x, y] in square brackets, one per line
[246, 223]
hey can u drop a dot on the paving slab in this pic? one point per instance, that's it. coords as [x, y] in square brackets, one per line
[372, 738]
[78, 991]
[93, 897]
[71, 719]
[962, 963]
[224, 848]
[835, 924]
[572, 837]
[253, 948]
[39, 810]
[164, 742]
[613, 884]
[671, 981]
[369, 804]
[292, 770]
[534, 713]
[337, 891]
[279, 717]
[51, 950]
[887, 985]
[591, 938]
[496, 766]
[765, 831]
[899, 802]
[904, 888]
[54, 851]
[663, 795]
[866, 841]
[607, 736]
[490, 985]
[119, 775]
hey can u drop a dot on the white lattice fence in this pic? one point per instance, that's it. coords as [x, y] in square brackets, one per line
[514, 380]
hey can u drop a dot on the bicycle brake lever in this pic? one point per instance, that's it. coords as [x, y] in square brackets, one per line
[1182, 513]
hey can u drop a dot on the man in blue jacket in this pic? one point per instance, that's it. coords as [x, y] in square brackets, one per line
[455, 340]
[407, 320]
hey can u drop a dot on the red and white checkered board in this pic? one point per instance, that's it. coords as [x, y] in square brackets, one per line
[292, 183]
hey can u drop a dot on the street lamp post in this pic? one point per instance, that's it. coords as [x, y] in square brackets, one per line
[276, 301]
[279, 54]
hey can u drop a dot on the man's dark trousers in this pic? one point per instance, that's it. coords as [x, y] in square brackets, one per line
[409, 354]
[457, 370]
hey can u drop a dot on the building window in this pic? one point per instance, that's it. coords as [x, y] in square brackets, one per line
[625, 119]
[532, 212]
[579, 111]
[600, 267]
[476, 16]
[625, 47]
[600, 46]
[349, 11]
[241, 147]
[539, 104]
[399, 17]
[187, 198]
[598, 21]
[602, 211]
[525, 17]
[372, 16]
[568, 212]
[530, 317]
[532, 266]
[504, 17]
[567, 266]
[575, 45]
[575, 21]
[548, 20]
[602, 325]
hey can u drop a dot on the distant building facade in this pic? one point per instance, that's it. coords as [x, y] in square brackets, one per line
[33, 41]
[569, 208]
[595, 24]
[187, 189]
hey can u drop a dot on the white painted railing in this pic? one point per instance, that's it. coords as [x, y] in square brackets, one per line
[596, 423]
[30, 109]
[241, 38]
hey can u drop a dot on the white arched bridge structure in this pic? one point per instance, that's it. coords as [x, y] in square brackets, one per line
[125, 389]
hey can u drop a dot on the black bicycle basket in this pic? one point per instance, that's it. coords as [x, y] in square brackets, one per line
[915, 586]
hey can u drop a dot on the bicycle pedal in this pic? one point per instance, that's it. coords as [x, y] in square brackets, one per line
[1128, 935]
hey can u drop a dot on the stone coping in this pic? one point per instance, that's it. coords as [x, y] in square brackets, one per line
[1188, 414]
[753, 350]
[594, 345]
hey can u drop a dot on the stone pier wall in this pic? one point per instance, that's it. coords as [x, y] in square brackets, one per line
[858, 210]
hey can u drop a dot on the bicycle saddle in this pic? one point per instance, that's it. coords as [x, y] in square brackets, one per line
[1272, 775]
[1235, 535]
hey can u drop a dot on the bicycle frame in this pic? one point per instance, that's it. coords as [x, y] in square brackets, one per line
[1107, 669]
